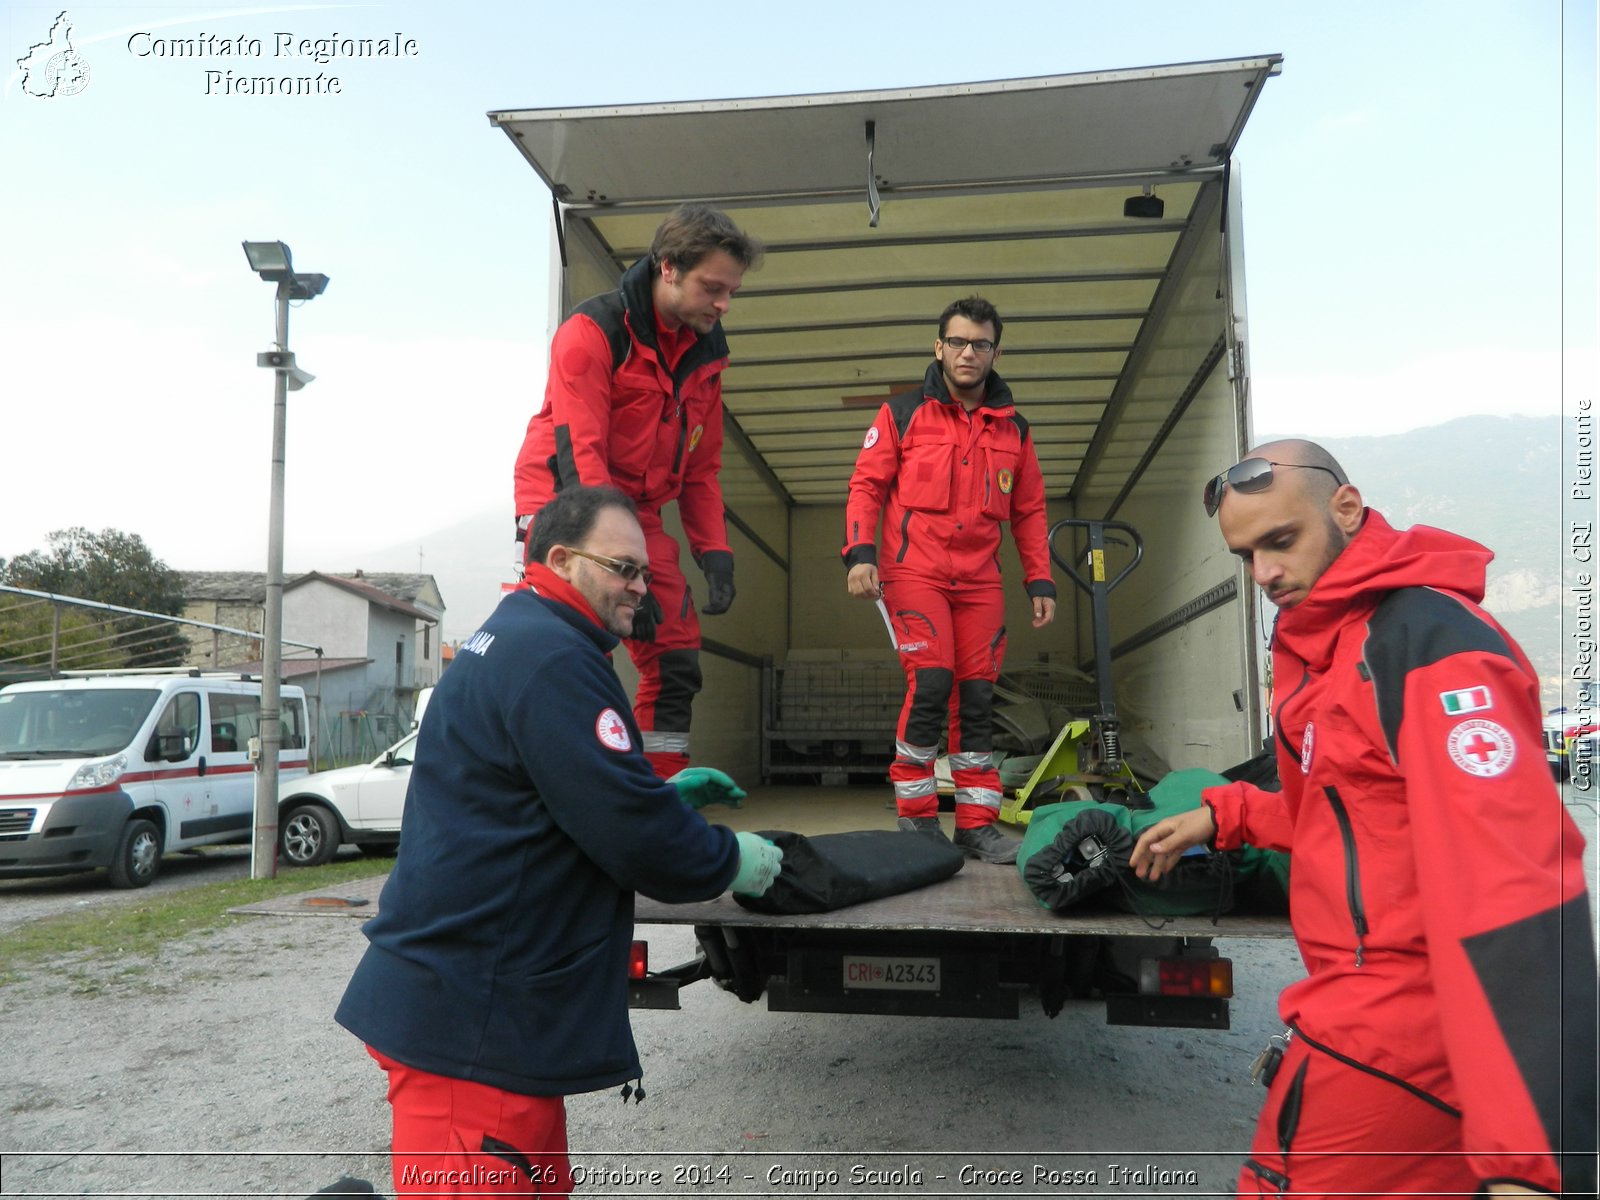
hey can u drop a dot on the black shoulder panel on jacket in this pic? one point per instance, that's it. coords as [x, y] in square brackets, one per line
[1413, 628]
[1021, 422]
[903, 407]
[605, 310]
[1538, 976]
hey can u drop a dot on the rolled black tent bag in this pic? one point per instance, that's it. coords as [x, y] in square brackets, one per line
[833, 870]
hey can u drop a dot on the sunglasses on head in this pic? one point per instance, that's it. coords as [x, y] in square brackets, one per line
[1251, 475]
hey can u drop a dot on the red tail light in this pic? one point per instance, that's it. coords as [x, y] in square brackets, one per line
[1186, 977]
[639, 960]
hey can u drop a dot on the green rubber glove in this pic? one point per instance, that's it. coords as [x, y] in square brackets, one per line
[700, 786]
[759, 863]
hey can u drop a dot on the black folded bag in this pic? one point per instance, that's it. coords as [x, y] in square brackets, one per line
[833, 870]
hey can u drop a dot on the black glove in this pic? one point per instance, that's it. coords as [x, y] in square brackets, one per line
[646, 617]
[718, 566]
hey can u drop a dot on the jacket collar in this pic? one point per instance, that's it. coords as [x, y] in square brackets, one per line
[568, 602]
[996, 392]
[638, 303]
[1379, 559]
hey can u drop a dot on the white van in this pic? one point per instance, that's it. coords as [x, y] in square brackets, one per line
[113, 770]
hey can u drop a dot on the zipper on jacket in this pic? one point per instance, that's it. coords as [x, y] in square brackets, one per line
[1283, 737]
[905, 536]
[1352, 870]
[677, 456]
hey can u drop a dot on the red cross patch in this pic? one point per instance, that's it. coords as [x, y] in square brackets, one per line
[1481, 748]
[612, 731]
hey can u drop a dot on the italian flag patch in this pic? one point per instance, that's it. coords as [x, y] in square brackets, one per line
[1467, 700]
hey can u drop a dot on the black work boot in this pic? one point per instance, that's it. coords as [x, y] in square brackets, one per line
[928, 825]
[988, 844]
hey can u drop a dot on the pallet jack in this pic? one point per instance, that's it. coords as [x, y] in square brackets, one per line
[1085, 761]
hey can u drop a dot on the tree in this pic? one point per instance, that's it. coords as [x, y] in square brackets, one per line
[110, 567]
[36, 635]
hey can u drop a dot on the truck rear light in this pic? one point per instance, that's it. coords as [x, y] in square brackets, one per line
[639, 960]
[1211, 977]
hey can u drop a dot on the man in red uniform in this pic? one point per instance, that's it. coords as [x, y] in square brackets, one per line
[1443, 1041]
[634, 400]
[944, 466]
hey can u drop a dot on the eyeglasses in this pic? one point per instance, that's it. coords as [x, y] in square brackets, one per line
[1251, 475]
[958, 344]
[617, 566]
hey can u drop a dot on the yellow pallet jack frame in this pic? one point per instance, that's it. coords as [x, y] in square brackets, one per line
[1063, 765]
[1086, 757]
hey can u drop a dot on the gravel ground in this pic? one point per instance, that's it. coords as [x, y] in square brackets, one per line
[216, 1070]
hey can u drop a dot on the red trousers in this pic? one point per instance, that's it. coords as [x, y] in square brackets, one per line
[952, 640]
[456, 1138]
[1330, 1129]
[669, 667]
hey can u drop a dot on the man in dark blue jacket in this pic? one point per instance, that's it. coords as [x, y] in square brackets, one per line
[496, 979]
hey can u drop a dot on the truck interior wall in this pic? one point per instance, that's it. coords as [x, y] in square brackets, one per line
[1185, 693]
[586, 269]
[825, 616]
[1167, 690]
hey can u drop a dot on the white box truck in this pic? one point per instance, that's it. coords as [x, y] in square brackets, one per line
[1101, 214]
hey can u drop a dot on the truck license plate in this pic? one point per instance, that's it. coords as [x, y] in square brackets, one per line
[893, 974]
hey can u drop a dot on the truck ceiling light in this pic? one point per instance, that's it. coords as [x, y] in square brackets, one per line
[1146, 206]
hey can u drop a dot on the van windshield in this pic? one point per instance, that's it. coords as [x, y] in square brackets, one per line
[75, 723]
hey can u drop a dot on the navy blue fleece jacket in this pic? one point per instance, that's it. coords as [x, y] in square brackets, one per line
[500, 950]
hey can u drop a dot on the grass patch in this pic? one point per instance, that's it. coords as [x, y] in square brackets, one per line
[144, 925]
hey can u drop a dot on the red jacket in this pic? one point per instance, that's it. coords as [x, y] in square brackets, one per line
[614, 414]
[1437, 890]
[943, 480]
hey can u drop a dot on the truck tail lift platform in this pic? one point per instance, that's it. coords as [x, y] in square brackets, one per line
[970, 946]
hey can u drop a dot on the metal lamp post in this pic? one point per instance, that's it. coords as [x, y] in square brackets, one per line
[273, 262]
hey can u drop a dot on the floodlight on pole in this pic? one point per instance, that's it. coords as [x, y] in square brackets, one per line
[270, 260]
[274, 263]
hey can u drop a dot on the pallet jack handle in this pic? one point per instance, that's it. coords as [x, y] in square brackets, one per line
[1097, 547]
[1099, 587]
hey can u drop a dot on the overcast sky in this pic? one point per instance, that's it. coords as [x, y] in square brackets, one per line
[1405, 183]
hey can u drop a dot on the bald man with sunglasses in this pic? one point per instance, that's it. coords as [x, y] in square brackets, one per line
[1443, 1040]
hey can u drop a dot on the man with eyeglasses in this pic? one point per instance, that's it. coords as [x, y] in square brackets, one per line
[1443, 1041]
[944, 467]
[633, 400]
[496, 979]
